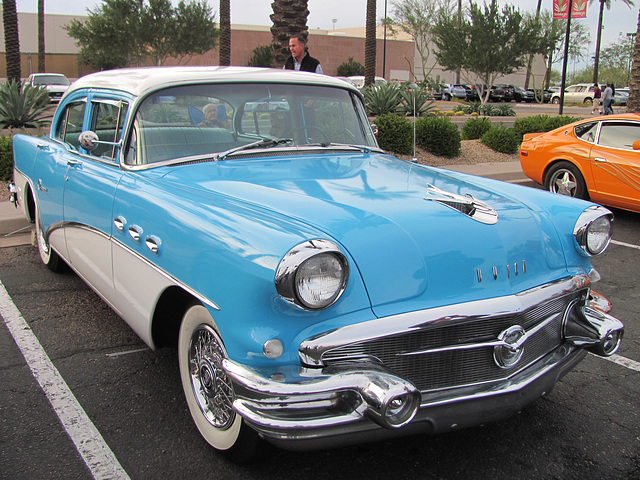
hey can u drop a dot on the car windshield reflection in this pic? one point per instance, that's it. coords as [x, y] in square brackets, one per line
[212, 120]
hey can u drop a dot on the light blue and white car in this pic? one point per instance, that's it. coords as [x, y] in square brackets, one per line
[319, 291]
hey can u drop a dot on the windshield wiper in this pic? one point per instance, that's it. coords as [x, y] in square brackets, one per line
[267, 142]
[362, 148]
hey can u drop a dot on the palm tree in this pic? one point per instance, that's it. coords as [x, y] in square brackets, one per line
[289, 19]
[633, 104]
[225, 32]
[41, 48]
[370, 45]
[11, 39]
[598, 38]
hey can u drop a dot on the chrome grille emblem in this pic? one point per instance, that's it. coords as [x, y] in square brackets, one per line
[509, 352]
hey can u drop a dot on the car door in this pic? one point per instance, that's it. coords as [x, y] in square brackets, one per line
[53, 160]
[89, 193]
[616, 165]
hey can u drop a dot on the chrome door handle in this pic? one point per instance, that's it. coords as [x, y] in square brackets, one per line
[135, 232]
[600, 159]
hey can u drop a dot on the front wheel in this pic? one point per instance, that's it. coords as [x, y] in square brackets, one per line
[556, 101]
[565, 178]
[208, 390]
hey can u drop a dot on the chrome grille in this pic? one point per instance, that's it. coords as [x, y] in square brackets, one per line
[454, 368]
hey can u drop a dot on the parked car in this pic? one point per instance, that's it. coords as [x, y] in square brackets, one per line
[358, 81]
[459, 91]
[444, 93]
[320, 292]
[522, 95]
[501, 93]
[595, 159]
[55, 83]
[621, 97]
[579, 93]
[540, 95]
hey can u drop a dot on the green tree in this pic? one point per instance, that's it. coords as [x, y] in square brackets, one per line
[416, 18]
[225, 32]
[599, 30]
[289, 19]
[370, 44]
[262, 56]
[118, 33]
[11, 39]
[489, 43]
[349, 68]
[553, 32]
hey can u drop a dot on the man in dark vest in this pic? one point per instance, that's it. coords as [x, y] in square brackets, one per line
[300, 58]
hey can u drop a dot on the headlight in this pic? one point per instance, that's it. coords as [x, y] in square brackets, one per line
[593, 230]
[312, 275]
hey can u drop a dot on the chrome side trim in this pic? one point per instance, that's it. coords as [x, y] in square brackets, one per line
[312, 349]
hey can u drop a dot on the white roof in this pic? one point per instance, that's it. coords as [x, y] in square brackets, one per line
[138, 81]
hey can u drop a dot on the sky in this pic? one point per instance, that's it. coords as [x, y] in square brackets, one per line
[330, 14]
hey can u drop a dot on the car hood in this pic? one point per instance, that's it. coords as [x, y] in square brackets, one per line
[387, 214]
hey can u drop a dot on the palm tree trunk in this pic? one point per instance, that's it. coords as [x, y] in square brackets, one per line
[225, 32]
[530, 61]
[598, 39]
[633, 104]
[11, 39]
[41, 46]
[289, 19]
[370, 45]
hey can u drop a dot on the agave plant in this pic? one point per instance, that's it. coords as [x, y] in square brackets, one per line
[381, 99]
[23, 106]
[415, 102]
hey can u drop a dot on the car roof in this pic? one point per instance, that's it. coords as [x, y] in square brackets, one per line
[138, 81]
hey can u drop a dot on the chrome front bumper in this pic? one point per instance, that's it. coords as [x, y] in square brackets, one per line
[357, 400]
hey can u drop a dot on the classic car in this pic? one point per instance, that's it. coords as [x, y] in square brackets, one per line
[55, 83]
[596, 158]
[579, 93]
[319, 291]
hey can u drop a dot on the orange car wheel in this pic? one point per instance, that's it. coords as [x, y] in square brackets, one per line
[565, 178]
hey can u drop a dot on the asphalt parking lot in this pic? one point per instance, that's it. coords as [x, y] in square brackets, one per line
[83, 398]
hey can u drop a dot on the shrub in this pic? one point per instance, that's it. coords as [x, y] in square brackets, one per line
[505, 110]
[540, 124]
[473, 107]
[439, 136]
[6, 159]
[23, 106]
[475, 127]
[350, 68]
[501, 139]
[382, 99]
[418, 97]
[262, 56]
[395, 134]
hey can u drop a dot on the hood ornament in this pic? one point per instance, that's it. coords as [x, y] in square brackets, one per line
[466, 204]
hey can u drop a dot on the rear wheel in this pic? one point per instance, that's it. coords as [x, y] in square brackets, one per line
[208, 390]
[48, 256]
[588, 101]
[556, 100]
[565, 178]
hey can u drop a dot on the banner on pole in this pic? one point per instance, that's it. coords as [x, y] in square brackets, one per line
[561, 9]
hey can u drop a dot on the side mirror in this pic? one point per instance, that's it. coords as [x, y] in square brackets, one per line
[636, 145]
[88, 140]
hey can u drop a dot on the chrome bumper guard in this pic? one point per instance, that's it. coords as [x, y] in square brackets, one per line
[299, 407]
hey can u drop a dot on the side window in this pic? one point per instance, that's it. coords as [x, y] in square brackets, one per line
[70, 125]
[587, 131]
[108, 121]
[619, 135]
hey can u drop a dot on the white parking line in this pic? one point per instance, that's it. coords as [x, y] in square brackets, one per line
[88, 441]
[622, 244]
[625, 362]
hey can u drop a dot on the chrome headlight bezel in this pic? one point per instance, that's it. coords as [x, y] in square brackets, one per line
[288, 279]
[593, 230]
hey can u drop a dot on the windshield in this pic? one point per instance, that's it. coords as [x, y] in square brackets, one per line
[211, 119]
[50, 80]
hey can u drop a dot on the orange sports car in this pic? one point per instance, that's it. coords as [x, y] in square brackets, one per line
[596, 158]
